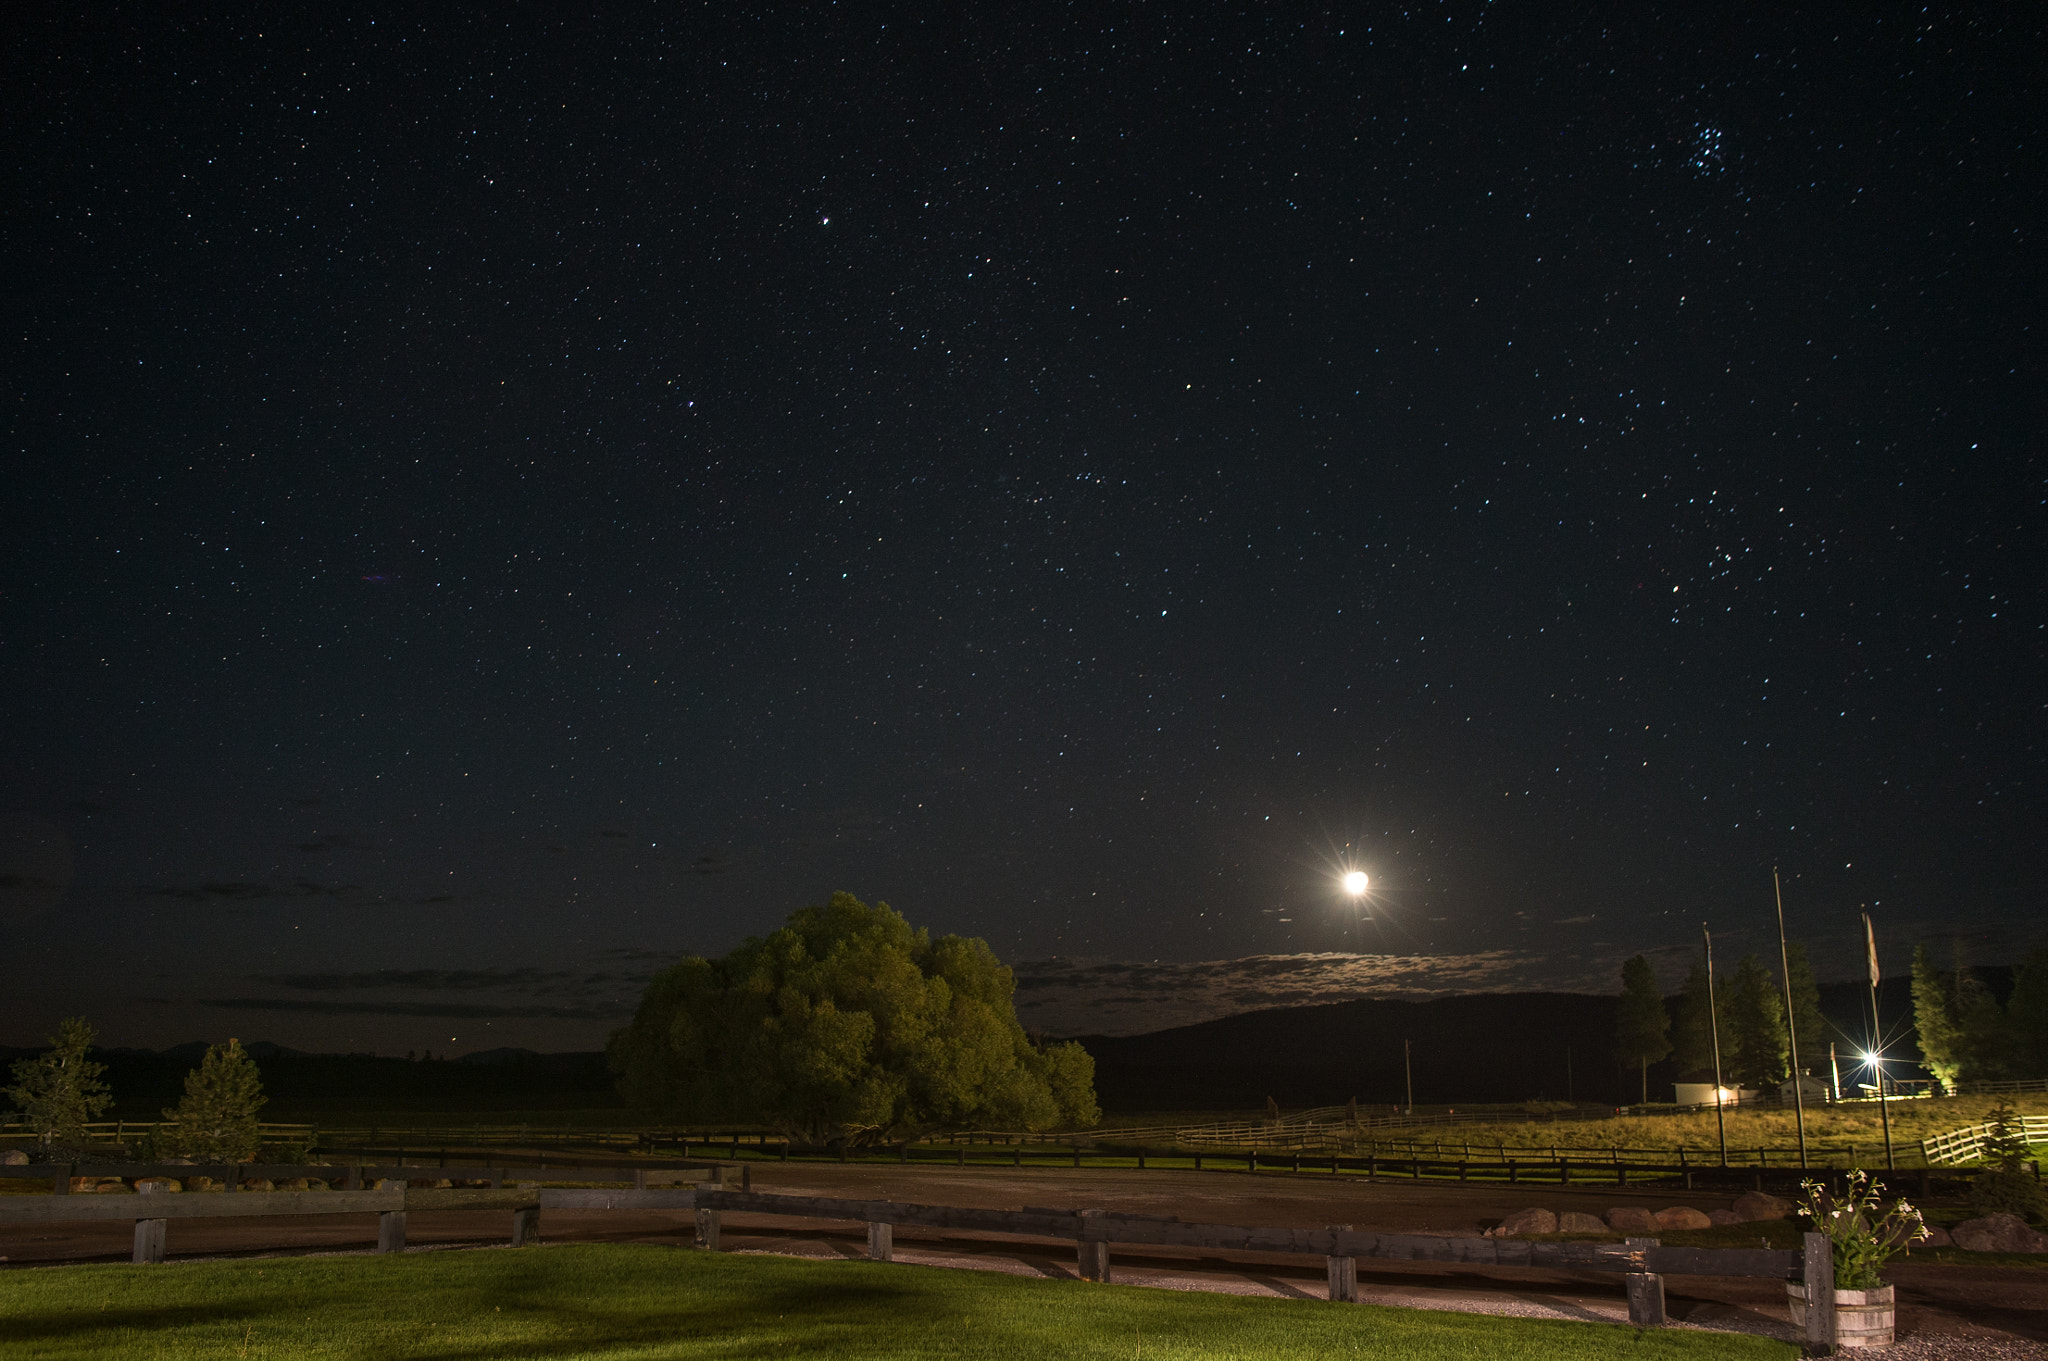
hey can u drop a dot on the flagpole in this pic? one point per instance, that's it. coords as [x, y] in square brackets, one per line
[1714, 1027]
[1791, 1021]
[1877, 1042]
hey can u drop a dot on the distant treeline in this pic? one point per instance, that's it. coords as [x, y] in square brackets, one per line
[301, 1085]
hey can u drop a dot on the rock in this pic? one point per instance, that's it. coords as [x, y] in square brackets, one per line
[1937, 1237]
[292, 1184]
[204, 1184]
[443, 1184]
[1998, 1233]
[1721, 1217]
[177, 1162]
[1631, 1219]
[157, 1186]
[256, 1184]
[13, 1157]
[1534, 1219]
[1751, 1206]
[1682, 1217]
[1578, 1221]
[315, 1184]
[389, 1184]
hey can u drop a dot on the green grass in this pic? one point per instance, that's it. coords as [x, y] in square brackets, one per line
[620, 1301]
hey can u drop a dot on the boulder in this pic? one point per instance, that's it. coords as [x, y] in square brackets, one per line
[1937, 1237]
[1998, 1233]
[1682, 1217]
[1578, 1221]
[293, 1184]
[1751, 1206]
[13, 1157]
[156, 1186]
[1631, 1219]
[1534, 1219]
[204, 1184]
[255, 1184]
[1721, 1217]
[177, 1162]
[389, 1184]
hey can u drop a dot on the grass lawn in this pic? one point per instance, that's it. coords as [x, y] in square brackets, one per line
[599, 1300]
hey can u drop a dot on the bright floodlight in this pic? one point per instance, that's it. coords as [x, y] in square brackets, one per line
[1354, 882]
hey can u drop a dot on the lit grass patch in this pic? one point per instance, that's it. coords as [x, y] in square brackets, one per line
[631, 1301]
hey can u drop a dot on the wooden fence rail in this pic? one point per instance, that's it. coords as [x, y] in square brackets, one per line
[1642, 1261]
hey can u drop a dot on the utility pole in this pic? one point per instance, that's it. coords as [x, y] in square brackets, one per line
[1714, 1025]
[1408, 1070]
[1791, 1021]
[1877, 1042]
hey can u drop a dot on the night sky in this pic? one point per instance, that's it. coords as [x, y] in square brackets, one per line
[498, 501]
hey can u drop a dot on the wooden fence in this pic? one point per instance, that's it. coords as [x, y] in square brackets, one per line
[1643, 1262]
[1966, 1145]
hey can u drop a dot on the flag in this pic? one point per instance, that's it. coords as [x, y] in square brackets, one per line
[1870, 942]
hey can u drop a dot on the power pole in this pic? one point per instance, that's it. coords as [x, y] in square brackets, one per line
[1408, 1070]
[1791, 1021]
[1714, 1025]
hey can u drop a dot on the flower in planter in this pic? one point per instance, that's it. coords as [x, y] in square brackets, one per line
[1862, 1235]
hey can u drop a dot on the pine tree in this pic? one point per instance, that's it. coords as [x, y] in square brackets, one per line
[1984, 1038]
[1642, 1026]
[1812, 1029]
[1934, 1019]
[2027, 1012]
[1692, 1035]
[217, 1119]
[1756, 1027]
[59, 1090]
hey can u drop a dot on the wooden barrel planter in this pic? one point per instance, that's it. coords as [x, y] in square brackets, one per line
[1863, 1318]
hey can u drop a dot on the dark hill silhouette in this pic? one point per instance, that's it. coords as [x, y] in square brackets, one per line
[1487, 1047]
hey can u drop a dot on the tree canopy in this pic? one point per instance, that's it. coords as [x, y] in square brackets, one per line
[217, 1118]
[1642, 1026]
[1754, 1032]
[848, 1023]
[59, 1090]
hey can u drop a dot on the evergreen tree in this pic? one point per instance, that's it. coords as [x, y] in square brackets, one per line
[1813, 1029]
[2027, 1012]
[217, 1119]
[1934, 1020]
[1692, 1035]
[1642, 1026]
[60, 1090]
[1984, 1037]
[1755, 1028]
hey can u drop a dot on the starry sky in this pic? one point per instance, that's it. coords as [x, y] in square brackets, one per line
[498, 500]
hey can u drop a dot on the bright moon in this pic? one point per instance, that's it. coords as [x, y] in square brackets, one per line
[1354, 882]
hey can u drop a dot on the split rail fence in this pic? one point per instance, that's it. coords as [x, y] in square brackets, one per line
[1642, 1262]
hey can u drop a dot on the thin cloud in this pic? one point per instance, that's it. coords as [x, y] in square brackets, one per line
[446, 1010]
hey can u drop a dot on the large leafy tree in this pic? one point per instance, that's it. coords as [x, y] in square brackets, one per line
[1756, 1027]
[59, 1090]
[1935, 1020]
[848, 1023]
[216, 1121]
[1642, 1026]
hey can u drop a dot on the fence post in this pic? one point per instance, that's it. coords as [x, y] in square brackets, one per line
[707, 1230]
[149, 1242]
[391, 1231]
[1646, 1299]
[1094, 1253]
[1818, 1276]
[525, 1225]
[881, 1242]
[1343, 1275]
